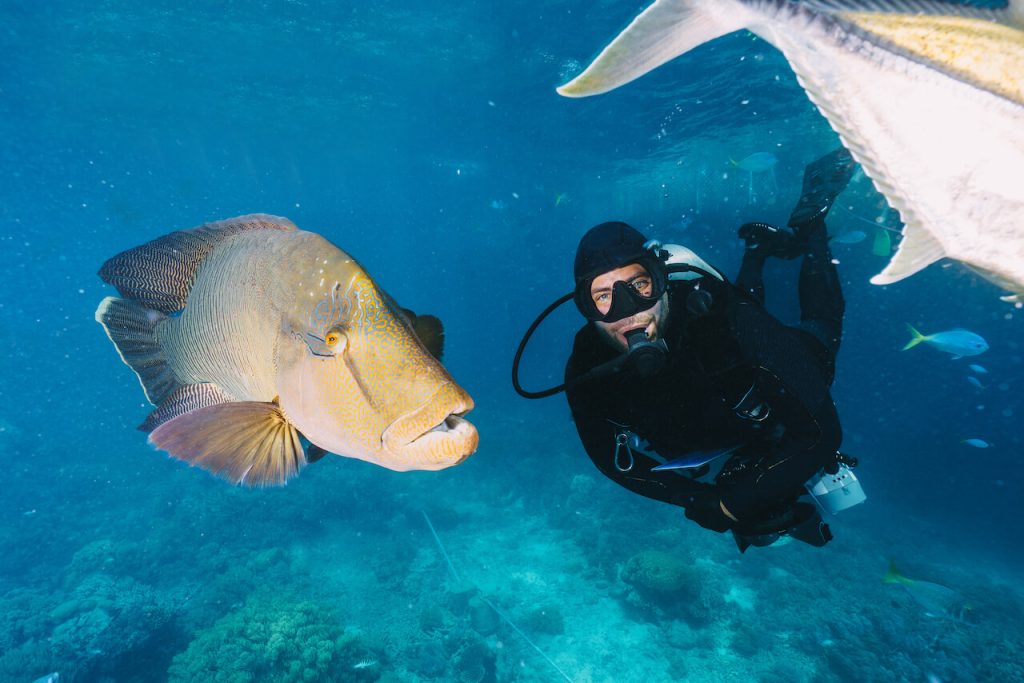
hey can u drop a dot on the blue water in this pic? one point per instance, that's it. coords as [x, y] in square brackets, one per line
[429, 142]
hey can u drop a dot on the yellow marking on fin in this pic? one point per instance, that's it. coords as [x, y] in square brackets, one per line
[984, 53]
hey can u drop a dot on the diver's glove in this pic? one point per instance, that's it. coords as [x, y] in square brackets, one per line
[705, 509]
[793, 516]
[768, 240]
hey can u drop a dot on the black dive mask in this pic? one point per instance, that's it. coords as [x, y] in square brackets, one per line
[626, 301]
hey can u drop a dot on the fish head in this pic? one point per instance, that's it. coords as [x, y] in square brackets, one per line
[355, 380]
[970, 343]
[978, 345]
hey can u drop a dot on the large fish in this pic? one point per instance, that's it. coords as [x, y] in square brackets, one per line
[928, 97]
[264, 347]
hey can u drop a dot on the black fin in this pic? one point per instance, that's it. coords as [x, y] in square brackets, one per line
[160, 273]
[132, 328]
[314, 453]
[824, 179]
[430, 331]
[768, 240]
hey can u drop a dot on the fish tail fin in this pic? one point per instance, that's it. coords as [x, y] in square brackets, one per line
[892, 575]
[160, 273]
[663, 31]
[132, 329]
[917, 250]
[916, 339]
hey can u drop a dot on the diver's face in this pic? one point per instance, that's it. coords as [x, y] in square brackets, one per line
[651, 321]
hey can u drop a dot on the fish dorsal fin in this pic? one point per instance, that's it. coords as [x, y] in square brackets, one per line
[917, 250]
[160, 273]
[663, 31]
[967, 47]
[245, 442]
[429, 330]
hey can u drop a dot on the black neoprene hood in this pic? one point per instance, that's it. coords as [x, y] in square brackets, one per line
[604, 248]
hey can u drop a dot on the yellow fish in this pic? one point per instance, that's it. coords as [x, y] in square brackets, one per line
[264, 347]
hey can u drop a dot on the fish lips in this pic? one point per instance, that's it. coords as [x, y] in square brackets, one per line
[434, 435]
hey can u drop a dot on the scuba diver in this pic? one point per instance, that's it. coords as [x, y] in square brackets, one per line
[683, 388]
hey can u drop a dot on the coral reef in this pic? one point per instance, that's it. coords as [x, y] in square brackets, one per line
[657, 572]
[274, 639]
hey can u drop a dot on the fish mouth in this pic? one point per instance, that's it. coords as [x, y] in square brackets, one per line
[434, 435]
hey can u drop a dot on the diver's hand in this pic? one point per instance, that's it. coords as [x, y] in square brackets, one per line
[794, 515]
[706, 510]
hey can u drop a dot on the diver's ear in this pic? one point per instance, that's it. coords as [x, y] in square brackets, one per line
[429, 330]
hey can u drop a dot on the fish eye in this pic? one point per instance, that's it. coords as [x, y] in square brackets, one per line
[333, 339]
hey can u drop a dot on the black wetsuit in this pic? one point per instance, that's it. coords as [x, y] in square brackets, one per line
[714, 360]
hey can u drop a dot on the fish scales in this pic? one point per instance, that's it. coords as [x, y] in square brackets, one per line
[228, 332]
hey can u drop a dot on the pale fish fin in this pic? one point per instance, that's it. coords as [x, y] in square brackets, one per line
[1016, 13]
[663, 31]
[245, 442]
[918, 250]
[160, 273]
[132, 329]
[183, 400]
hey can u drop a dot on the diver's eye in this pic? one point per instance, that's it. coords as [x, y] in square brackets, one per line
[642, 286]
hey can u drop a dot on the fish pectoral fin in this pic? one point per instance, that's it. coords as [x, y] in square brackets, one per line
[663, 31]
[159, 274]
[917, 250]
[245, 442]
[429, 330]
